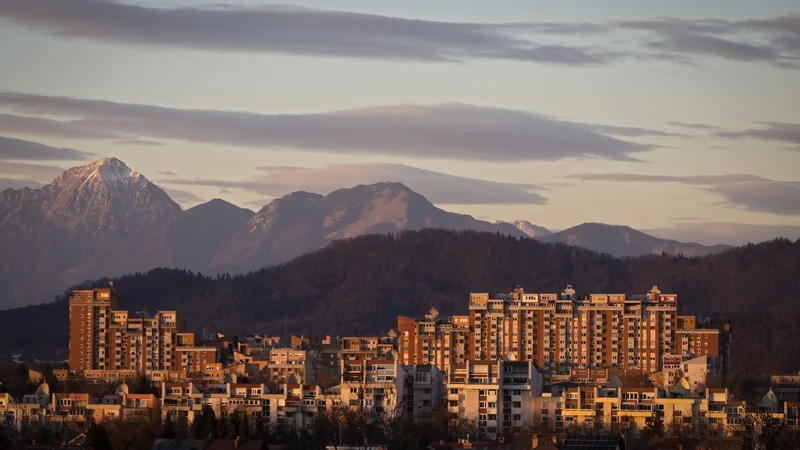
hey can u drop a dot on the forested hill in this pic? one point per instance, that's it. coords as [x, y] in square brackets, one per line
[359, 286]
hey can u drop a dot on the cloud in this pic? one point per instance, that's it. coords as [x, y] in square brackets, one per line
[40, 126]
[632, 131]
[774, 41]
[749, 192]
[304, 31]
[183, 198]
[168, 173]
[16, 183]
[280, 168]
[139, 142]
[731, 233]
[293, 30]
[693, 126]
[770, 131]
[443, 131]
[685, 219]
[38, 172]
[439, 188]
[21, 150]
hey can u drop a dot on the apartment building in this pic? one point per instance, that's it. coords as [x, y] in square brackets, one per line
[423, 391]
[433, 340]
[376, 385]
[291, 405]
[694, 371]
[58, 408]
[618, 408]
[291, 365]
[498, 395]
[559, 332]
[108, 343]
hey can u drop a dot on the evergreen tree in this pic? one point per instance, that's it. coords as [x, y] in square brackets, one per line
[182, 428]
[97, 438]
[168, 428]
[19, 380]
[654, 427]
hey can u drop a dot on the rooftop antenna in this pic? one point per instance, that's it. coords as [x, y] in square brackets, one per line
[285, 323]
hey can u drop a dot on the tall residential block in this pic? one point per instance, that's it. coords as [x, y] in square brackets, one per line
[559, 332]
[108, 341]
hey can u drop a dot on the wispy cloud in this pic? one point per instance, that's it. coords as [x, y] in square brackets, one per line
[443, 131]
[685, 219]
[41, 126]
[12, 149]
[773, 41]
[633, 131]
[744, 191]
[440, 188]
[693, 126]
[139, 142]
[281, 29]
[18, 183]
[770, 131]
[33, 172]
[304, 31]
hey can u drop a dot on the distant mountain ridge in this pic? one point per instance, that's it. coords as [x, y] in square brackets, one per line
[104, 219]
[527, 228]
[624, 241]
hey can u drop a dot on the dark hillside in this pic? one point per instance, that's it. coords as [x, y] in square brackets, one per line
[359, 286]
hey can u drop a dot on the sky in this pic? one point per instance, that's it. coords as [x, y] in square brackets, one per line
[677, 118]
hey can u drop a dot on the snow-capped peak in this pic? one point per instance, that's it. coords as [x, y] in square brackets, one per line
[111, 171]
[527, 228]
[105, 192]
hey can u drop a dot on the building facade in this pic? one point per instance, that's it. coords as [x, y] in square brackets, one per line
[108, 343]
[498, 396]
[559, 332]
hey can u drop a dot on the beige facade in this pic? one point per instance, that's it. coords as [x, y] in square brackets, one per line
[44, 407]
[497, 395]
[290, 405]
[619, 408]
[376, 385]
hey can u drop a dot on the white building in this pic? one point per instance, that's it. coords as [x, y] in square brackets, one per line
[497, 395]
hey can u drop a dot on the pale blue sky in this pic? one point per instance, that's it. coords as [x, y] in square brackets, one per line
[652, 76]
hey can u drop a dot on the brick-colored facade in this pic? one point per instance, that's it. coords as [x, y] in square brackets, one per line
[559, 332]
[106, 340]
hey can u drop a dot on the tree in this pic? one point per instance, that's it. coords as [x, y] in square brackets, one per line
[205, 424]
[654, 427]
[19, 380]
[142, 386]
[97, 438]
[182, 428]
[168, 429]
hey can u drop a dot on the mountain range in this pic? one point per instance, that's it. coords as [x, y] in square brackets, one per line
[104, 219]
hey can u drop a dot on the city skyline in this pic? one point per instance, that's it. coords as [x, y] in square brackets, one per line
[675, 117]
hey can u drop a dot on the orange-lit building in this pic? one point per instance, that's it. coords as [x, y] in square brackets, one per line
[559, 332]
[106, 342]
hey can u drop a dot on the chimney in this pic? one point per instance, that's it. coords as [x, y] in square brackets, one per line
[236, 442]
